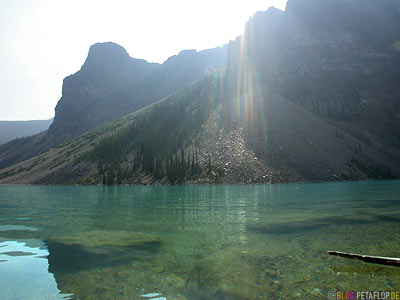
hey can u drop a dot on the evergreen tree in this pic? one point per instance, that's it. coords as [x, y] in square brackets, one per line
[156, 137]
[209, 164]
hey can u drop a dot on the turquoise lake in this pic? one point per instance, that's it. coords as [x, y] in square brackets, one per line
[196, 242]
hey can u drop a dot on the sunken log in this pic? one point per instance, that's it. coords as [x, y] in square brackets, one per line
[388, 261]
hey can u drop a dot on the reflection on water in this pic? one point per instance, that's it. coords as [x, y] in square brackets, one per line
[24, 272]
[16, 227]
[196, 242]
[99, 249]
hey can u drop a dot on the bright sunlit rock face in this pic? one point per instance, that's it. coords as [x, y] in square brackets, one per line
[47, 40]
[244, 104]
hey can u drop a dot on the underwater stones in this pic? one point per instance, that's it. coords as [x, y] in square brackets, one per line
[100, 238]
[272, 273]
[99, 248]
[157, 269]
[223, 275]
[285, 228]
[317, 292]
[388, 218]
[365, 270]
[175, 280]
[300, 226]
[348, 220]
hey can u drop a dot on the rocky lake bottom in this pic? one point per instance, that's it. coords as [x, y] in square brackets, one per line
[197, 242]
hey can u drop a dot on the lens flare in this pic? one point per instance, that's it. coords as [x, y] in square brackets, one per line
[245, 96]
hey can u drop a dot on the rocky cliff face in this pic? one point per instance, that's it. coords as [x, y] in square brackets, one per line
[179, 71]
[338, 59]
[111, 84]
[180, 140]
[310, 94]
[94, 94]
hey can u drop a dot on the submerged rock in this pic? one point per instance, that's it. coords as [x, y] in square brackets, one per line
[288, 228]
[99, 248]
[223, 275]
[302, 226]
[100, 238]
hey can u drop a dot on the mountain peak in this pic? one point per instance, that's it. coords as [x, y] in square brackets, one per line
[105, 55]
[107, 48]
[188, 52]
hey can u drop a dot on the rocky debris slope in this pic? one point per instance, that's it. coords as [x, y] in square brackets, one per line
[232, 159]
[310, 94]
[110, 85]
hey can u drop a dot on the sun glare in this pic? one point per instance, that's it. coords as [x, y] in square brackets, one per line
[49, 40]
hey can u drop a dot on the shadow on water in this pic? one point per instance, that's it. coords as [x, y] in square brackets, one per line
[299, 227]
[24, 263]
[386, 218]
[294, 228]
[383, 204]
[250, 242]
[347, 221]
[64, 258]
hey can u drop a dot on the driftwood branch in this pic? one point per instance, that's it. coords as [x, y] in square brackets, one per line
[388, 261]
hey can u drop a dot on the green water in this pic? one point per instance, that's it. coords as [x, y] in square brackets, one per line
[196, 242]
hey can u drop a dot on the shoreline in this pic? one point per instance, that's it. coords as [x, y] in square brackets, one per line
[202, 183]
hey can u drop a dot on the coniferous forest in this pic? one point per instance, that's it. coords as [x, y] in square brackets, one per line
[144, 146]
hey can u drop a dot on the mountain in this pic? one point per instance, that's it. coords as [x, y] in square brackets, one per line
[92, 96]
[111, 84]
[185, 139]
[10, 130]
[309, 94]
[338, 59]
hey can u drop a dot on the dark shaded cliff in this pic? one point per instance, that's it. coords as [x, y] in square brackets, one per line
[110, 85]
[182, 139]
[338, 59]
[93, 95]
[309, 94]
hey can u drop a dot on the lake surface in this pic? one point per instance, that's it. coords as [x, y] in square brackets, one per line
[196, 242]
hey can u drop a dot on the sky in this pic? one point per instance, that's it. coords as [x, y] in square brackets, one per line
[43, 41]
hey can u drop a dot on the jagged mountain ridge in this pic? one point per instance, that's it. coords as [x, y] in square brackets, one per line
[198, 148]
[274, 118]
[92, 95]
[109, 85]
[338, 59]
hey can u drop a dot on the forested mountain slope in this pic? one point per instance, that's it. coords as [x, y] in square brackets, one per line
[188, 138]
[109, 85]
[309, 94]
